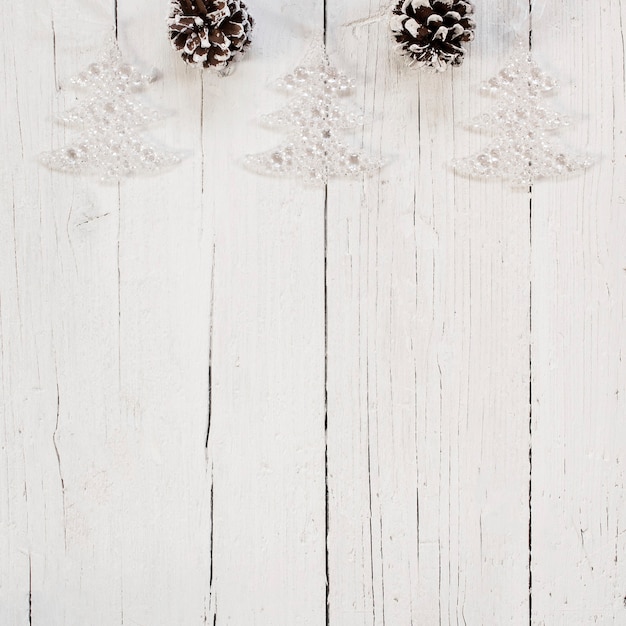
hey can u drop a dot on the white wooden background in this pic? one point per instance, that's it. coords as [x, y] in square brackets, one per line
[414, 387]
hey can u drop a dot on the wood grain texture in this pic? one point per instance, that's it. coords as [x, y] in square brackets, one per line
[579, 280]
[228, 399]
[429, 331]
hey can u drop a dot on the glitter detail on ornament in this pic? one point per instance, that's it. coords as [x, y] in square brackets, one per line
[523, 150]
[314, 118]
[110, 146]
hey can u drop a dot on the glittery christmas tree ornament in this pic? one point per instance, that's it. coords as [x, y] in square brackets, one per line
[314, 118]
[110, 145]
[212, 34]
[523, 149]
[432, 33]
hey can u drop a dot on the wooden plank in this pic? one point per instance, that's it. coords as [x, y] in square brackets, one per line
[428, 355]
[165, 268]
[116, 437]
[579, 430]
[124, 342]
[266, 446]
[59, 363]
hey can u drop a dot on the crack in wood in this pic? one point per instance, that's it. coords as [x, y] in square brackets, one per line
[371, 514]
[212, 600]
[202, 152]
[30, 590]
[92, 219]
[119, 287]
[58, 458]
[54, 55]
[210, 366]
[326, 489]
[212, 509]
[530, 373]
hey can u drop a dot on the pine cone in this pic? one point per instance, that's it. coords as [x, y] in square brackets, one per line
[210, 33]
[431, 33]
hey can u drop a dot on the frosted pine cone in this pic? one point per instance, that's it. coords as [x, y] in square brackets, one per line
[210, 33]
[431, 33]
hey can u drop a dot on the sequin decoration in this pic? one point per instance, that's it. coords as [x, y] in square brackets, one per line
[314, 118]
[523, 149]
[110, 145]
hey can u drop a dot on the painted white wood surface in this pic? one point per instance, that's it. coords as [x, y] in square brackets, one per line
[412, 385]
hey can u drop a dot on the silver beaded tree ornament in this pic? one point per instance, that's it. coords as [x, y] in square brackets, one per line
[110, 145]
[314, 118]
[523, 149]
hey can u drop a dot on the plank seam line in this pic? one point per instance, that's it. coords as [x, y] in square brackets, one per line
[210, 364]
[326, 490]
[530, 370]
